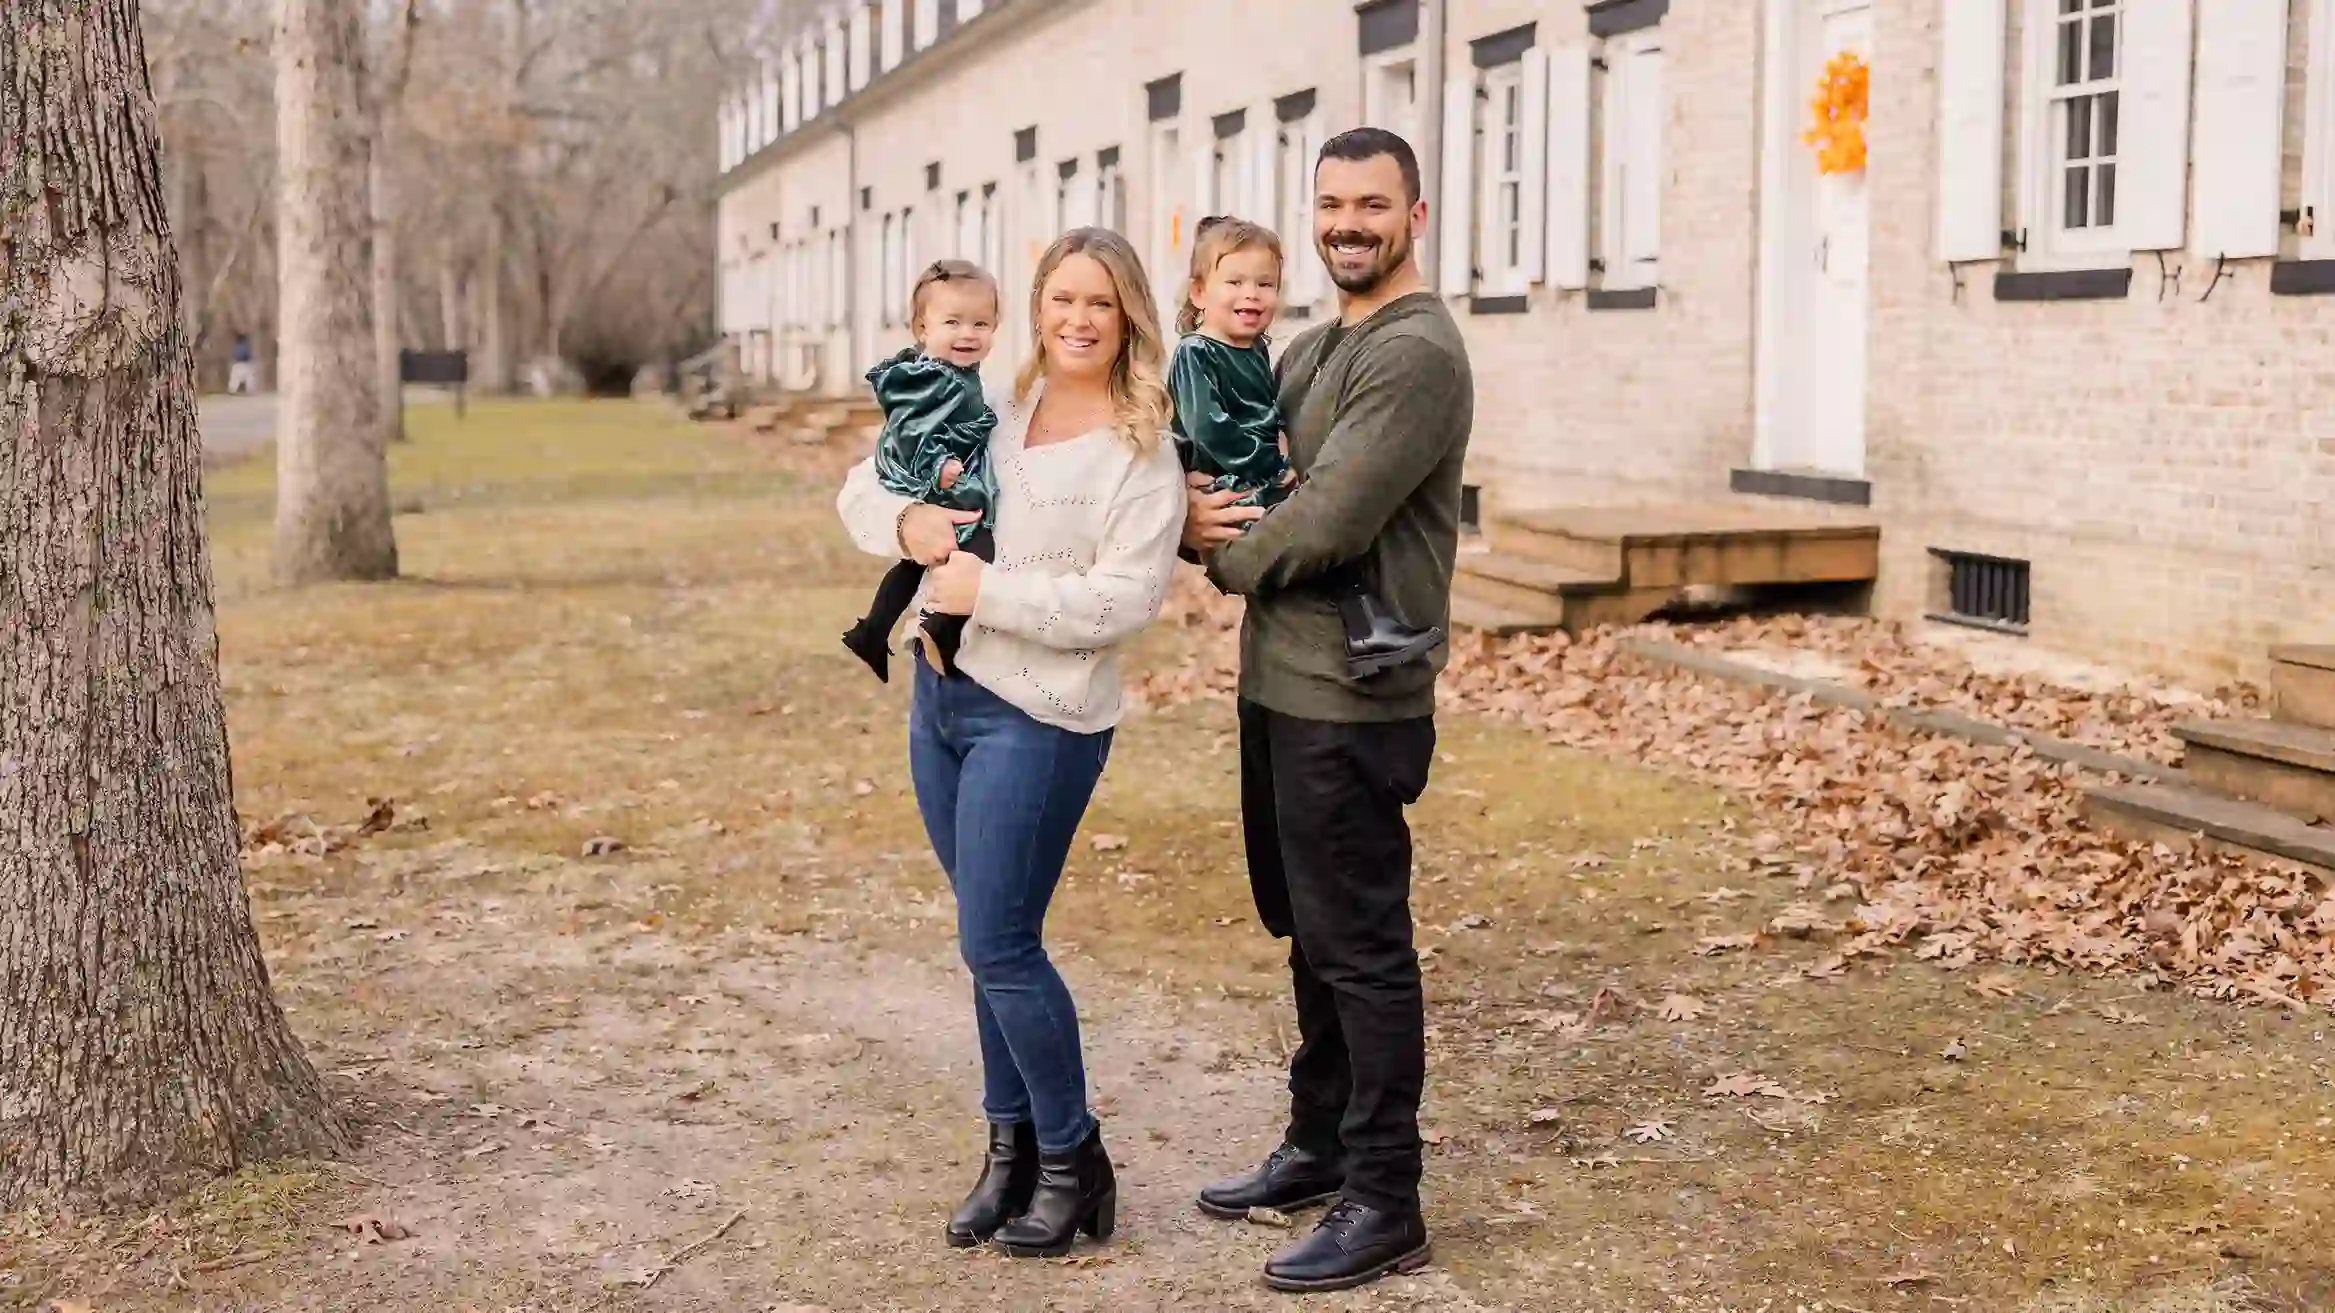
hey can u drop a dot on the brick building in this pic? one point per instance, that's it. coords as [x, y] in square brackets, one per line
[2057, 338]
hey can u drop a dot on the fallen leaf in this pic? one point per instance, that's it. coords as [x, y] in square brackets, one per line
[862, 788]
[1433, 1137]
[1744, 1085]
[1272, 1217]
[1996, 985]
[2119, 1016]
[1954, 1052]
[373, 1228]
[1714, 945]
[1906, 1280]
[1544, 1117]
[1648, 1132]
[482, 1150]
[604, 845]
[1683, 1007]
[1109, 843]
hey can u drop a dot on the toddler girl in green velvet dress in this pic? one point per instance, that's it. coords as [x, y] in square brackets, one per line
[935, 445]
[1227, 421]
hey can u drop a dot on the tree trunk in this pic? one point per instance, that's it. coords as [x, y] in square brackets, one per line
[386, 319]
[141, 1045]
[332, 478]
[494, 367]
[449, 305]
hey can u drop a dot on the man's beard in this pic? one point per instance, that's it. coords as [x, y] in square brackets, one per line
[1390, 256]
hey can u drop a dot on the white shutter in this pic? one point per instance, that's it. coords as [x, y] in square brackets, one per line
[1302, 254]
[927, 22]
[2153, 138]
[1263, 201]
[1455, 260]
[1970, 130]
[1635, 106]
[2241, 93]
[771, 115]
[863, 47]
[837, 86]
[892, 34]
[2319, 133]
[1203, 184]
[1533, 122]
[968, 10]
[790, 94]
[1567, 204]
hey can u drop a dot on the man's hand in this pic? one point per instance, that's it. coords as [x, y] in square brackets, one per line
[954, 586]
[928, 533]
[1210, 518]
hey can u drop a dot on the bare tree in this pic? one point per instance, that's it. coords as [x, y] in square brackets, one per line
[140, 1042]
[332, 478]
[388, 136]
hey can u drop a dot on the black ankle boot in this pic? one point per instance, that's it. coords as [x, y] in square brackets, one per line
[870, 647]
[1007, 1180]
[1376, 640]
[1076, 1192]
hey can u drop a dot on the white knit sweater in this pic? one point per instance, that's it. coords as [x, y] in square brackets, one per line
[1086, 531]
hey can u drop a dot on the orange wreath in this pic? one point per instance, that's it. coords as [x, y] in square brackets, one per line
[1840, 106]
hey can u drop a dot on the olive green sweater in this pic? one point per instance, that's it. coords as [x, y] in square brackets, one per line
[1378, 417]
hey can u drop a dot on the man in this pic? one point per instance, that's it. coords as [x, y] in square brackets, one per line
[241, 375]
[1377, 407]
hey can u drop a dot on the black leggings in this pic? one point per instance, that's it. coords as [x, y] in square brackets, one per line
[898, 590]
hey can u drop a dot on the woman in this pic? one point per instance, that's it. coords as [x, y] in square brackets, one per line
[1088, 512]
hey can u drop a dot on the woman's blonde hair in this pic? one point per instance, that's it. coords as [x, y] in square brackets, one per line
[1218, 236]
[949, 271]
[1138, 380]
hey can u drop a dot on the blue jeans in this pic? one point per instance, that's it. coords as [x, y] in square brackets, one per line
[1002, 796]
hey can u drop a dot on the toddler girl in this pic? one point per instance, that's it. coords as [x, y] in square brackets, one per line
[1228, 415]
[935, 445]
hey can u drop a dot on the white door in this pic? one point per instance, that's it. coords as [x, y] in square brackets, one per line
[1814, 297]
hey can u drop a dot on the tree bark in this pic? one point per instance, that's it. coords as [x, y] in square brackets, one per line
[141, 1045]
[332, 478]
[387, 376]
[449, 305]
[494, 348]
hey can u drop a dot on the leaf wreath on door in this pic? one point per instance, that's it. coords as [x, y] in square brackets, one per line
[1839, 107]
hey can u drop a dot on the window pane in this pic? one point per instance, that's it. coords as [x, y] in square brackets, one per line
[2107, 207]
[2107, 101]
[2103, 46]
[2078, 198]
[2071, 6]
[2079, 128]
[2071, 53]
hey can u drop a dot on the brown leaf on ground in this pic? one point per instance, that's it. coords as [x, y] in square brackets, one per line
[1683, 1007]
[1909, 1279]
[1955, 1052]
[1648, 1132]
[1998, 984]
[1544, 1117]
[1745, 1085]
[1272, 1217]
[1109, 843]
[1713, 945]
[604, 845]
[2119, 1016]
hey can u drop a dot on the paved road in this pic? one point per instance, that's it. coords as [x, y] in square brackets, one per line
[236, 426]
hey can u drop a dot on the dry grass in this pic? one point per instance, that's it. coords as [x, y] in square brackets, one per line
[618, 626]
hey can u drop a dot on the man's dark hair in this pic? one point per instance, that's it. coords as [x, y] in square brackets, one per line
[1358, 144]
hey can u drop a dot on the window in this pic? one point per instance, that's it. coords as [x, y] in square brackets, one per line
[1390, 94]
[1170, 176]
[839, 278]
[1630, 219]
[992, 232]
[1110, 192]
[1224, 173]
[968, 228]
[2084, 96]
[888, 273]
[1300, 142]
[1500, 207]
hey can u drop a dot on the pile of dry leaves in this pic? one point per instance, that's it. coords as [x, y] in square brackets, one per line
[1953, 852]
[299, 835]
[2135, 718]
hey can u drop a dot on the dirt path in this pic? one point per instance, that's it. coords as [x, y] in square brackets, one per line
[653, 943]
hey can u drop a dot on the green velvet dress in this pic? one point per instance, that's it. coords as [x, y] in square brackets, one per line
[935, 412]
[1228, 417]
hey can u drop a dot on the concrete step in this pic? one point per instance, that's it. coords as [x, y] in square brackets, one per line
[1552, 596]
[2302, 678]
[1483, 617]
[2280, 763]
[2174, 812]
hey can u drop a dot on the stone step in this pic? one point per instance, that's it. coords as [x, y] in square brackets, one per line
[2302, 678]
[2152, 813]
[2279, 763]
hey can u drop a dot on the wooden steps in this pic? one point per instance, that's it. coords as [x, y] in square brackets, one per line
[1581, 567]
[2265, 786]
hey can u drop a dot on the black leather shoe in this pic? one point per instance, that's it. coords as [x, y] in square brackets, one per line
[1076, 1192]
[1353, 1246]
[1008, 1179]
[1291, 1178]
[1377, 640]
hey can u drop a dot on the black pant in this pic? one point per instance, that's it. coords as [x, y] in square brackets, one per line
[1330, 862]
[898, 588]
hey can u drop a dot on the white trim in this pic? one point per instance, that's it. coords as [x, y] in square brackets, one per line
[1502, 181]
[1566, 204]
[2319, 135]
[1378, 74]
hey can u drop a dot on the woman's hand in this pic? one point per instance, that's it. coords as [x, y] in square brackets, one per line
[951, 470]
[928, 533]
[1210, 518]
[954, 586]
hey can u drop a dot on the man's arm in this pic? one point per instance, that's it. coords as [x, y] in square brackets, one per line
[1390, 432]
